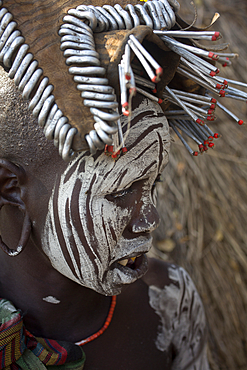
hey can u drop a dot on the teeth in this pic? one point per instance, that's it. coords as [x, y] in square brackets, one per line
[123, 262]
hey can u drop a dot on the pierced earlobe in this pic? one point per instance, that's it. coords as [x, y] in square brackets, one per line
[25, 234]
[12, 178]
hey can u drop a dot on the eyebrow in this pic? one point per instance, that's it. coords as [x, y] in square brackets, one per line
[122, 179]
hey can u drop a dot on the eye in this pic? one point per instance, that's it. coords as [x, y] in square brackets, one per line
[119, 195]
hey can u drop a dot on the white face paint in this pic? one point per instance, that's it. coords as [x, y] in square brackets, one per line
[101, 210]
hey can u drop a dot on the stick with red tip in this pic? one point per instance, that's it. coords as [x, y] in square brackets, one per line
[202, 68]
[227, 111]
[200, 81]
[123, 90]
[186, 95]
[188, 55]
[126, 59]
[197, 35]
[192, 49]
[182, 139]
[145, 53]
[149, 96]
[182, 105]
[131, 84]
[180, 124]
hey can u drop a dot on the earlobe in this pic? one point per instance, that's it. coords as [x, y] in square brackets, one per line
[12, 177]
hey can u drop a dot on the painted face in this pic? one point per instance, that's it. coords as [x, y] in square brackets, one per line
[101, 211]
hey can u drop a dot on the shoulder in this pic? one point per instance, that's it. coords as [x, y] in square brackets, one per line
[171, 286]
[174, 298]
[162, 274]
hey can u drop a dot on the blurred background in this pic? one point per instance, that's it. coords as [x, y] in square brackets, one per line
[203, 203]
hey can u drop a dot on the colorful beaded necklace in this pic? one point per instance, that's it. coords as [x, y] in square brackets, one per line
[104, 327]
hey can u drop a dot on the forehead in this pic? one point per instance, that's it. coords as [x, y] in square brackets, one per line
[148, 144]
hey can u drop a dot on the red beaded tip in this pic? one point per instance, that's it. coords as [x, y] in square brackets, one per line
[212, 73]
[213, 100]
[195, 154]
[127, 77]
[217, 34]
[160, 101]
[210, 138]
[215, 57]
[210, 54]
[222, 93]
[218, 86]
[211, 145]
[210, 118]
[110, 148]
[212, 106]
[159, 71]
[217, 71]
[200, 146]
[126, 104]
[240, 122]
[199, 121]
[206, 142]
[224, 65]
[225, 83]
[154, 91]
[124, 150]
[126, 113]
[154, 79]
[115, 155]
[205, 148]
[216, 135]
[210, 111]
[132, 90]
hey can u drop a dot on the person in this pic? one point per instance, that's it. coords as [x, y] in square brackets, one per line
[76, 280]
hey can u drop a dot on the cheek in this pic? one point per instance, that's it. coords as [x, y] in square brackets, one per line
[109, 221]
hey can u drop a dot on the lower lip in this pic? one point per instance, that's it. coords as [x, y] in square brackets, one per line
[140, 267]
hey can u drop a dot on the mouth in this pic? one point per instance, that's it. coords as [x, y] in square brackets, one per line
[130, 262]
[131, 268]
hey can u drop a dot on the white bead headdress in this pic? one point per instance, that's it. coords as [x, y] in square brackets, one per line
[138, 71]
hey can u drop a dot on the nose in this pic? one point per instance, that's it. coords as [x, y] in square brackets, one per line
[145, 219]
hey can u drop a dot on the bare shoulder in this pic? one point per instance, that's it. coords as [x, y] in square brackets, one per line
[174, 298]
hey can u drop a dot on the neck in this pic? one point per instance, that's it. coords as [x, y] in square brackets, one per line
[54, 307]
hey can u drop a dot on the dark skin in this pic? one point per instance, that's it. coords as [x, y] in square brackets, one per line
[129, 342]
[29, 277]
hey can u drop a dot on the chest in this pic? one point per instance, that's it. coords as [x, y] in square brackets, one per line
[130, 341]
[128, 352]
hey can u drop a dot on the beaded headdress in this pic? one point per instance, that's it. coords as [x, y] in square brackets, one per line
[79, 65]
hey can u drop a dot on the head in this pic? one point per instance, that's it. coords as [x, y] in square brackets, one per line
[92, 213]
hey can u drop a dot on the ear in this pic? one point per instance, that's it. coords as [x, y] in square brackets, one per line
[12, 177]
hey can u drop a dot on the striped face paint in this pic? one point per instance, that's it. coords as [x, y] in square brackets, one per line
[101, 211]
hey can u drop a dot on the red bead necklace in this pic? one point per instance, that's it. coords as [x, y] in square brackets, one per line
[104, 327]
